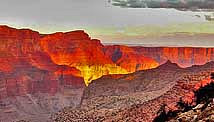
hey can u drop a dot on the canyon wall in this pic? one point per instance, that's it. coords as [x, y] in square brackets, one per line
[75, 53]
[183, 56]
[31, 84]
[129, 58]
[150, 57]
[77, 49]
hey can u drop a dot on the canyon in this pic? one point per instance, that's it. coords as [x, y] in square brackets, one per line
[40, 74]
[138, 96]
[86, 57]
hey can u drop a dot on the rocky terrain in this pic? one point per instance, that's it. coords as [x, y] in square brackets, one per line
[40, 74]
[196, 114]
[201, 111]
[137, 96]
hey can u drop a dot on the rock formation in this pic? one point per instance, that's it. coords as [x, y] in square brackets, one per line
[137, 96]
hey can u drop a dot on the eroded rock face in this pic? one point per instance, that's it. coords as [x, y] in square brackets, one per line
[31, 85]
[140, 58]
[129, 59]
[183, 56]
[93, 59]
[77, 49]
[33, 94]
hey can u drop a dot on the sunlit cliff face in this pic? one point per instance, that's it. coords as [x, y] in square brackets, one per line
[72, 53]
[76, 49]
[129, 59]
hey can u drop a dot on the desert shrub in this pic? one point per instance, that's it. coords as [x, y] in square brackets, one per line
[212, 75]
[204, 94]
[163, 115]
[183, 106]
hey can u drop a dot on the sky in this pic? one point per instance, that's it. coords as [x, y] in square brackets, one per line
[102, 20]
[193, 5]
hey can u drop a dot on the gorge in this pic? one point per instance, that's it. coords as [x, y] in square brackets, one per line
[48, 72]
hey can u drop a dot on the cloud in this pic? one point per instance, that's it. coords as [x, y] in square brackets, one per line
[194, 5]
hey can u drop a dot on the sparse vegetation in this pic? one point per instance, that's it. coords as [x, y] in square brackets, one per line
[183, 106]
[204, 95]
[164, 115]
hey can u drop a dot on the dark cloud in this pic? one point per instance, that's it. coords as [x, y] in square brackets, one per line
[78, 14]
[193, 5]
[209, 17]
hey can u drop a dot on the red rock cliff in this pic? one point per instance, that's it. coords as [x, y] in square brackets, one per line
[129, 59]
[77, 54]
[183, 56]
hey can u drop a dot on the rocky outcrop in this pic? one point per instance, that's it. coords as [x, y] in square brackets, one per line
[183, 88]
[196, 114]
[137, 96]
[203, 110]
